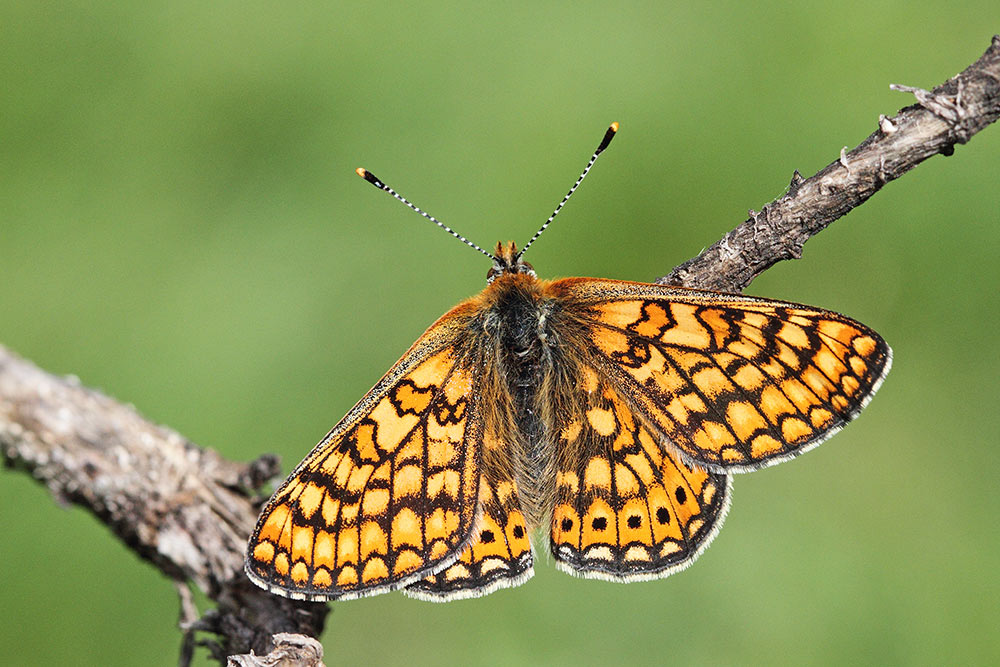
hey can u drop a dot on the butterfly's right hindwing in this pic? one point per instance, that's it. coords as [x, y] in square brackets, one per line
[626, 509]
[391, 494]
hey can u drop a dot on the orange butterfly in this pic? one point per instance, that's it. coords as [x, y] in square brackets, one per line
[609, 413]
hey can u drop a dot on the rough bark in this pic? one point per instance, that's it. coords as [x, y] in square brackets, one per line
[950, 114]
[182, 507]
[189, 511]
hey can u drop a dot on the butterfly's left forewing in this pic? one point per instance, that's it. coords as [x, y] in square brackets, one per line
[391, 494]
[734, 383]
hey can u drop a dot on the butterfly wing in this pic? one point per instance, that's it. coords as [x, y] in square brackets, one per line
[499, 556]
[391, 494]
[627, 509]
[735, 383]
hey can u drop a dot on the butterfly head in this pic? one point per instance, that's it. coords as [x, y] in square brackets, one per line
[507, 260]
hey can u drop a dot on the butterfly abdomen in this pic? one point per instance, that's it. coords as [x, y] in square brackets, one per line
[515, 323]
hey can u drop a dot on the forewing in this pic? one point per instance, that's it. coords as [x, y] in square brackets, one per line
[735, 383]
[390, 495]
[626, 508]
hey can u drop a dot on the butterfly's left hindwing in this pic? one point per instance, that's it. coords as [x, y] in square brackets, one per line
[391, 494]
[498, 557]
[735, 383]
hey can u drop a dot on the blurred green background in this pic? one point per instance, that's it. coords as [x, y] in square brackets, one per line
[182, 228]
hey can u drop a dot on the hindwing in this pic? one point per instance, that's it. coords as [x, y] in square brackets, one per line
[498, 557]
[626, 508]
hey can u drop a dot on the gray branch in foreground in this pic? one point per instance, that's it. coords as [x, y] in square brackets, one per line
[189, 511]
[185, 509]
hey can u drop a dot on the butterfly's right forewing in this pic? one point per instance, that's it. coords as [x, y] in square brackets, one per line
[735, 383]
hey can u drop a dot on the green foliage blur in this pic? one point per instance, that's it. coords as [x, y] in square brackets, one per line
[182, 228]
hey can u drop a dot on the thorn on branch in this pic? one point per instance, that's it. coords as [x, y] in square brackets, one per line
[885, 124]
[188, 611]
[797, 180]
[843, 160]
[188, 620]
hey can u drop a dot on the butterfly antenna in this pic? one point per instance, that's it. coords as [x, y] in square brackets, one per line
[377, 182]
[608, 136]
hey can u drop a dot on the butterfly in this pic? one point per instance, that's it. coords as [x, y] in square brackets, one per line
[609, 415]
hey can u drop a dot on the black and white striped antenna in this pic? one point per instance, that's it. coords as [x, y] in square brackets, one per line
[608, 136]
[378, 183]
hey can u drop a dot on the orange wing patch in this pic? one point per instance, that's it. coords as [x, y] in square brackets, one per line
[625, 508]
[387, 498]
[498, 557]
[736, 383]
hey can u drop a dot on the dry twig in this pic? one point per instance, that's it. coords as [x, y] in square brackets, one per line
[950, 114]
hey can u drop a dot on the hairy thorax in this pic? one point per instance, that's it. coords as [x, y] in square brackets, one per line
[532, 374]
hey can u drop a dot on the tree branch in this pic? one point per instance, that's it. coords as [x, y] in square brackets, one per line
[185, 509]
[189, 511]
[950, 114]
